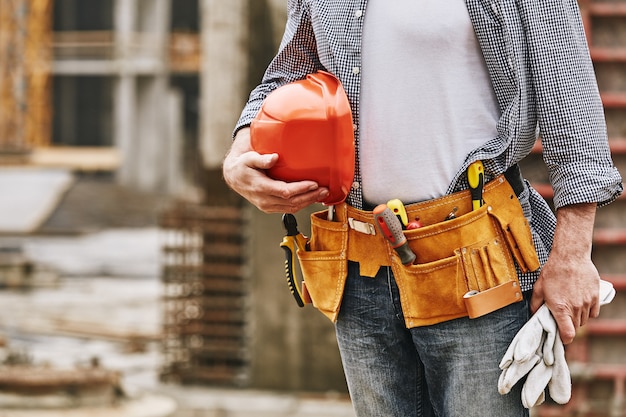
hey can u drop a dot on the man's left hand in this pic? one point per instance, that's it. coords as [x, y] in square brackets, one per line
[569, 281]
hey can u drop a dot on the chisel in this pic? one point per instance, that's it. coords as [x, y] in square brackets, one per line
[391, 228]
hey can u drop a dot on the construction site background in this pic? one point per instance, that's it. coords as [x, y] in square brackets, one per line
[133, 281]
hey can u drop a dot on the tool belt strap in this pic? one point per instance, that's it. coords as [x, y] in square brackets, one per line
[369, 247]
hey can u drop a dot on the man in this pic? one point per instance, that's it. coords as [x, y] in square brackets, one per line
[435, 86]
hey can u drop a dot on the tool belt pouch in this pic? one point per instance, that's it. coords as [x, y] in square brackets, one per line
[325, 266]
[465, 266]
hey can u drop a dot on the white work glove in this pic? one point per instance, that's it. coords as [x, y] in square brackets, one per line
[532, 353]
[556, 377]
[537, 351]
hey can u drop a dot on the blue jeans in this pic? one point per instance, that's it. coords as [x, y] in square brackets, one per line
[446, 370]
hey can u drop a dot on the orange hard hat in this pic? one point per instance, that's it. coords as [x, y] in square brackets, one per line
[308, 123]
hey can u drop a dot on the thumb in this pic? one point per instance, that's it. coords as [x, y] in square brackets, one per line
[265, 161]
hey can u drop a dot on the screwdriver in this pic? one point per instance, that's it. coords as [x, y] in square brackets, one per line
[476, 180]
[397, 207]
[391, 228]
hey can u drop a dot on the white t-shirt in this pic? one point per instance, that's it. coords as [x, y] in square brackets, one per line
[426, 98]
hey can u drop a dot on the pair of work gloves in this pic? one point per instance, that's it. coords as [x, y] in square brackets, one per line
[537, 352]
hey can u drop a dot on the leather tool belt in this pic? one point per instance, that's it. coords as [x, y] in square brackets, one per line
[465, 266]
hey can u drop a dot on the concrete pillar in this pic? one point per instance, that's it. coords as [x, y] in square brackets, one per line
[124, 125]
[141, 130]
[151, 134]
[175, 141]
[124, 97]
[124, 17]
[223, 77]
[152, 100]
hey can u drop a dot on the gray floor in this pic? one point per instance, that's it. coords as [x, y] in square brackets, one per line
[98, 297]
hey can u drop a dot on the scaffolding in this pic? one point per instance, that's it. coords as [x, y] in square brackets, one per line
[205, 293]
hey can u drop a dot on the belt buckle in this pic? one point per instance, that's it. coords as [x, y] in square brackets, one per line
[362, 227]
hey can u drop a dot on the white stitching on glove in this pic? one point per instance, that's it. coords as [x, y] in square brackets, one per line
[537, 351]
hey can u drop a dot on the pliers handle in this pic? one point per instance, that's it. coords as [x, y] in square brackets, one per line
[292, 242]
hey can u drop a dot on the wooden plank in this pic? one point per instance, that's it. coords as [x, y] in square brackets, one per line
[81, 159]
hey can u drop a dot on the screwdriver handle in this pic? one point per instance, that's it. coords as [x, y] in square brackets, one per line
[476, 180]
[398, 209]
[391, 228]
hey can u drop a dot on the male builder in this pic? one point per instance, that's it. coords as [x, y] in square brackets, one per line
[434, 86]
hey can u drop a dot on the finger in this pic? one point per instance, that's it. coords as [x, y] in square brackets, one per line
[577, 318]
[255, 160]
[584, 316]
[595, 310]
[295, 191]
[264, 161]
[537, 298]
[567, 329]
[587, 310]
[582, 320]
[278, 204]
[262, 184]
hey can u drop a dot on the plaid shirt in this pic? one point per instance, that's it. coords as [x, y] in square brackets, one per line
[542, 74]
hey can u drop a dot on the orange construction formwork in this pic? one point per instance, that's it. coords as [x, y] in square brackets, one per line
[25, 63]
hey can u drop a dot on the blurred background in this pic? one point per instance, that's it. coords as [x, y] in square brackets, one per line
[133, 282]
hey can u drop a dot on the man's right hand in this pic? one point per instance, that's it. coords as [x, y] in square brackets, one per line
[244, 172]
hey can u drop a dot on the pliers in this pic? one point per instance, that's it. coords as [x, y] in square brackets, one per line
[292, 242]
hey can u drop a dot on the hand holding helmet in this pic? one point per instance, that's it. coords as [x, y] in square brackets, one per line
[308, 123]
[244, 171]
